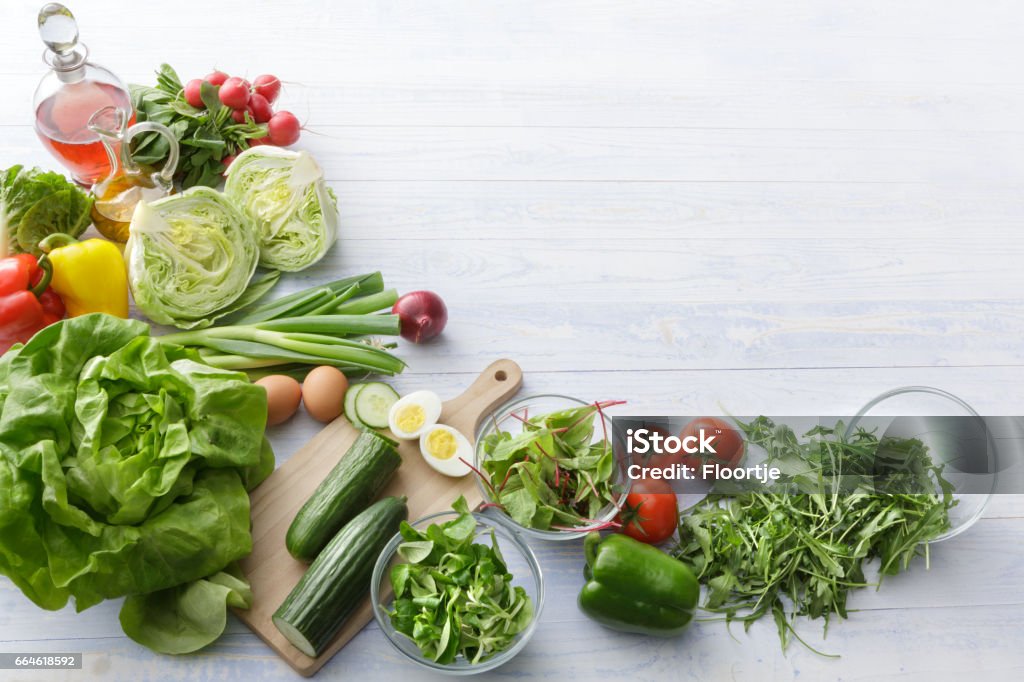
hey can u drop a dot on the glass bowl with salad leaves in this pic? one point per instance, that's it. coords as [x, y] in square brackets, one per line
[547, 465]
[457, 592]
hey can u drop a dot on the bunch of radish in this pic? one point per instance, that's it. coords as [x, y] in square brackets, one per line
[253, 100]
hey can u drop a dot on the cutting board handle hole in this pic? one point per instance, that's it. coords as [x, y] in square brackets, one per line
[500, 375]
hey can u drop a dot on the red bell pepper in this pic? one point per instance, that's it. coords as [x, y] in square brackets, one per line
[27, 304]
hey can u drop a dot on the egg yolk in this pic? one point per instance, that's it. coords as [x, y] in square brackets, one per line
[441, 444]
[410, 418]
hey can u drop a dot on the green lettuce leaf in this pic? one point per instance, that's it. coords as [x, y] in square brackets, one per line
[187, 617]
[36, 203]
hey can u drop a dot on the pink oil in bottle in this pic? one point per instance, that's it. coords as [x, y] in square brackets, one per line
[61, 124]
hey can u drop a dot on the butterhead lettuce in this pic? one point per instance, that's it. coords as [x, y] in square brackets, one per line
[124, 467]
[284, 194]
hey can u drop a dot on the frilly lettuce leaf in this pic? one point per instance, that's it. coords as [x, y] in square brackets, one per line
[36, 203]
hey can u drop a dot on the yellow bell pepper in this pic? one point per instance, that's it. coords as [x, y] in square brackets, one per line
[89, 276]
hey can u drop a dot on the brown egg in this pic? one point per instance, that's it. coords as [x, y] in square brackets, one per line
[283, 396]
[323, 392]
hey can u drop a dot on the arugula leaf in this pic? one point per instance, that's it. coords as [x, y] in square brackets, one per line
[800, 547]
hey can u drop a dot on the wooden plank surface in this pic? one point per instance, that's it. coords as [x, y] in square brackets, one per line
[782, 207]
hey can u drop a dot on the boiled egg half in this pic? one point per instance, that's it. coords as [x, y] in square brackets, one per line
[442, 447]
[413, 414]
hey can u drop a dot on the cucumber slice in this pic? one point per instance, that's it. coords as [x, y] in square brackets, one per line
[374, 402]
[350, 405]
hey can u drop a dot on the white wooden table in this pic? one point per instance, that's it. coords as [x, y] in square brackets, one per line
[781, 207]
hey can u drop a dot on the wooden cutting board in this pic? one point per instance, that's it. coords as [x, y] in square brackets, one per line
[273, 572]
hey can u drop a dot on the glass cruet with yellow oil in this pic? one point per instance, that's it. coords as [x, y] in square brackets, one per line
[128, 183]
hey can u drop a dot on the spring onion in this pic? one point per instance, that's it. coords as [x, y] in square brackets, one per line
[332, 324]
[301, 302]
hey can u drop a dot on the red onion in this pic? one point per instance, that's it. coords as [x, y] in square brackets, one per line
[422, 314]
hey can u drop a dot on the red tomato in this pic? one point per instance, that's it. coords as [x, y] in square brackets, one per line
[728, 444]
[651, 511]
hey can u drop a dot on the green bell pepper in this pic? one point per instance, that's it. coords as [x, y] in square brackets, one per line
[635, 587]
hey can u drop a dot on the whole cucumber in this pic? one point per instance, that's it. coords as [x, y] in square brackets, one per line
[350, 486]
[313, 613]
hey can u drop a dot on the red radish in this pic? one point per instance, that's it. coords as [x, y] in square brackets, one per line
[226, 161]
[192, 93]
[268, 86]
[238, 115]
[216, 78]
[234, 93]
[283, 129]
[257, 141]
[422, 315]
[259, 107]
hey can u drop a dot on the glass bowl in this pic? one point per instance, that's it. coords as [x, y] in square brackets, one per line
[508, 418]
[521, 563]
[956, 436]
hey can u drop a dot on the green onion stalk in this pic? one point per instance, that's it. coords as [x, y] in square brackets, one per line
[333, 324]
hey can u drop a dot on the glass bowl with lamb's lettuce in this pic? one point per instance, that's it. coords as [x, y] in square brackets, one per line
[547, 464]
[456, 592]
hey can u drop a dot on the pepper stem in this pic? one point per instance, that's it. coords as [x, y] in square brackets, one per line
[47, 267]
[55, 241]
[590, 544]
